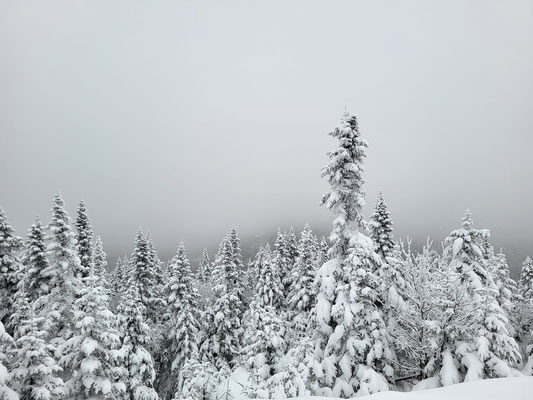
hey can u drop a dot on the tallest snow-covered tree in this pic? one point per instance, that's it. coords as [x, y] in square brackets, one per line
[351, 344]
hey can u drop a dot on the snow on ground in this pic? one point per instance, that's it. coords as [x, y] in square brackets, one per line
[520, 388]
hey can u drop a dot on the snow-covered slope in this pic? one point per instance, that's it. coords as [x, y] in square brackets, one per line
[489, 389]
[520, 388]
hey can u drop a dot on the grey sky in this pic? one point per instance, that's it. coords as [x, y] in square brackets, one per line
[186, 117]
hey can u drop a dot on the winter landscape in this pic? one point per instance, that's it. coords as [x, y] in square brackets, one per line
[214, 224]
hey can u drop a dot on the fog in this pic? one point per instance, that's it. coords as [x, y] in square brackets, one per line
[188, 117]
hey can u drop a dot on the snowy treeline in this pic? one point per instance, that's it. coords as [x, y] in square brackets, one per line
[349, 315]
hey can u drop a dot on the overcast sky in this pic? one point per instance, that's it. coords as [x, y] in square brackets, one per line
[187, 117]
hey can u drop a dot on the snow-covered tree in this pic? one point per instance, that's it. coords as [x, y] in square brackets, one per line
[135, 337]
[493, 351]
[351, 342]
[36, 282]
[380, 227]
[223, 335]
[91, 353]
[100, 264]
[144, 273]
[324, 249]
[507, 295]
[64, 287]
[526, 280]
[84, 239]
[291, 254]
[118, 280]
[203, 275]
[10, 266]
[184, 322]
[303, 297]
[268, 288]
[239, 285]
[21, 312]
[265, 344]
[344, 173]
[6, 345]
[294, 372]
[202, 380]
[157, 268]
[465, 251]
[35, 371]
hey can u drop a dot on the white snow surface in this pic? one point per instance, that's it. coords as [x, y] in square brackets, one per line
[516, 388]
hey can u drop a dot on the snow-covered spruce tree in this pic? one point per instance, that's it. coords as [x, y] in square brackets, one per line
[36, 282]
[291, 248]
[64, 287]
[91, 353]
[524, 311]
[203, 275]
[135, 335]
[507, 295]
[100, 264]
[7, 344]
[268, 288]
[10, 266]
[21, 313]
[202, 380]
[526, 280]
[223, 333]
[183, 327]
[157, 267]
[324, 249]
[380, 227]
[35, 371]
[84, 239]
[239, 286]
[493, 352]
[303, 297]
[351, 342]
[143, 272]
[265, 344]
[118, 281]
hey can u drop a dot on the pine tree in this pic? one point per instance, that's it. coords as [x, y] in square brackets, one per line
[22, 311]
[84, 239]
[100, 264]
[269, 288]
[35, 371]
[157, 267]
[184, 322]
[135, 337]
[6, 345]
[351, 342]
[10, 266]
[303, 297]
[143, 272]
[526, 280]
[239, 285]
[344, 173]
[324, 249]
[380, 227]
[493, 352]
[36, 282]
[118, 280]
[90, 354]
[508, 294]
[223, 318]
[291, 249]
[282, 261]
[56, 306]
[204, 272]
[265, 344]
